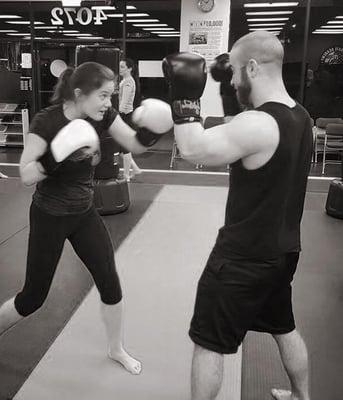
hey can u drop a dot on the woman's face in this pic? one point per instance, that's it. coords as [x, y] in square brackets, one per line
[123, 69]
[95, 104]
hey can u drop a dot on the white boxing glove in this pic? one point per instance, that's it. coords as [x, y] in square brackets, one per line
[153, 118]
[76, 135]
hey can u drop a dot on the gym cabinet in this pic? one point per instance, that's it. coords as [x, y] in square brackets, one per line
[14, 125]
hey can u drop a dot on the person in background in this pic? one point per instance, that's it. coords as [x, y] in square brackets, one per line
[129, 99]
[221, 72]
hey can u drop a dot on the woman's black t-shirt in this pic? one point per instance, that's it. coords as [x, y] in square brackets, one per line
[69, 189]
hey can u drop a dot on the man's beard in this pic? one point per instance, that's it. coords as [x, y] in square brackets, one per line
[244, 90]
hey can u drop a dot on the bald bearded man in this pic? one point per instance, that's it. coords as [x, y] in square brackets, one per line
[246, 284]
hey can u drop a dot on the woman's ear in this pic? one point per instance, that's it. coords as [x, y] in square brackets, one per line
[77, 93]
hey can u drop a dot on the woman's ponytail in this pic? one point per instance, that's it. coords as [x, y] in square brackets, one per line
[63, 90]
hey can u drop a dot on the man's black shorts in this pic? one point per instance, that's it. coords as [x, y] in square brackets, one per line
[237, 295]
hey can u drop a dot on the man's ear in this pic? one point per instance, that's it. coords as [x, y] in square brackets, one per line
[252, 68]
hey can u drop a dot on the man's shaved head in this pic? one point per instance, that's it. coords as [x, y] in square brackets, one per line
[262, 46]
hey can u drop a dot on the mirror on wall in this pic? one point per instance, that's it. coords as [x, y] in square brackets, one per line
[151, 30]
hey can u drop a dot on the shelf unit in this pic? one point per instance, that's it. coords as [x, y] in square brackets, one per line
[14, 126]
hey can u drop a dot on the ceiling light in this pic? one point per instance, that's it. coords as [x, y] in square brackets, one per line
[328, 32]
[24, 22]
[276, 24]
[134, 15]
[9, 16]
[63, 32]
[266, 19]
[269, 13]
[334, 22]
[19, 34]
[131, 8]
[339, 16]
[262, 29]
[42, 37]
[282, 4]
[332, 27]
[103, 8]
[174, 35]
[7, 30]
[128, 15]
[161, 29]
[77, 34]
[166, 33]
[90, 38]
[45, 27]
[141, 20]
[71, 3]
[146, 25]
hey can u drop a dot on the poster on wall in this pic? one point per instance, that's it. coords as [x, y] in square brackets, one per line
[205, 38]
[332, 55]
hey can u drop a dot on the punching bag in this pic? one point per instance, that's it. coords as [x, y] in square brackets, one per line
[109, 56]
[111, 196]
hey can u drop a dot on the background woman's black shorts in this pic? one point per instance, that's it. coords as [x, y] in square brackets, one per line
[237, 295]
[127, 118]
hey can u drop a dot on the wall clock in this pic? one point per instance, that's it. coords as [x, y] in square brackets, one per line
[205, 5]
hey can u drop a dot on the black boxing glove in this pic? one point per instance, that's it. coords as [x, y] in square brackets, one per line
[186, 76]
[220, 69]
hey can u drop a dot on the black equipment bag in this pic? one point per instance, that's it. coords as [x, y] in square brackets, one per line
[334, 201]
[111, 196]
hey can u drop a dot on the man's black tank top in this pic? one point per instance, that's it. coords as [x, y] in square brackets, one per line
[265, 205]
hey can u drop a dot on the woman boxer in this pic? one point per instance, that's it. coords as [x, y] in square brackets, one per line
[59, 156]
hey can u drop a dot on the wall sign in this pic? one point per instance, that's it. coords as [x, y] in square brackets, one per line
[83, 16]
[332, 55]
[206, 38]
[26, 60]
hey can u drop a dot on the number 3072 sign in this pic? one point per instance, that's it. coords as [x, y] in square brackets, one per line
[83, 16]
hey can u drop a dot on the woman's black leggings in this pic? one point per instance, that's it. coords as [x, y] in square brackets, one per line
[91, 242]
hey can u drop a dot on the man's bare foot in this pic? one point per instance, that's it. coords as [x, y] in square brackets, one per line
[129, 363]
[280, 394]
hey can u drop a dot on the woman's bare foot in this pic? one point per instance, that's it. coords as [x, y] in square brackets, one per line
[280, 394]
[128, 362]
